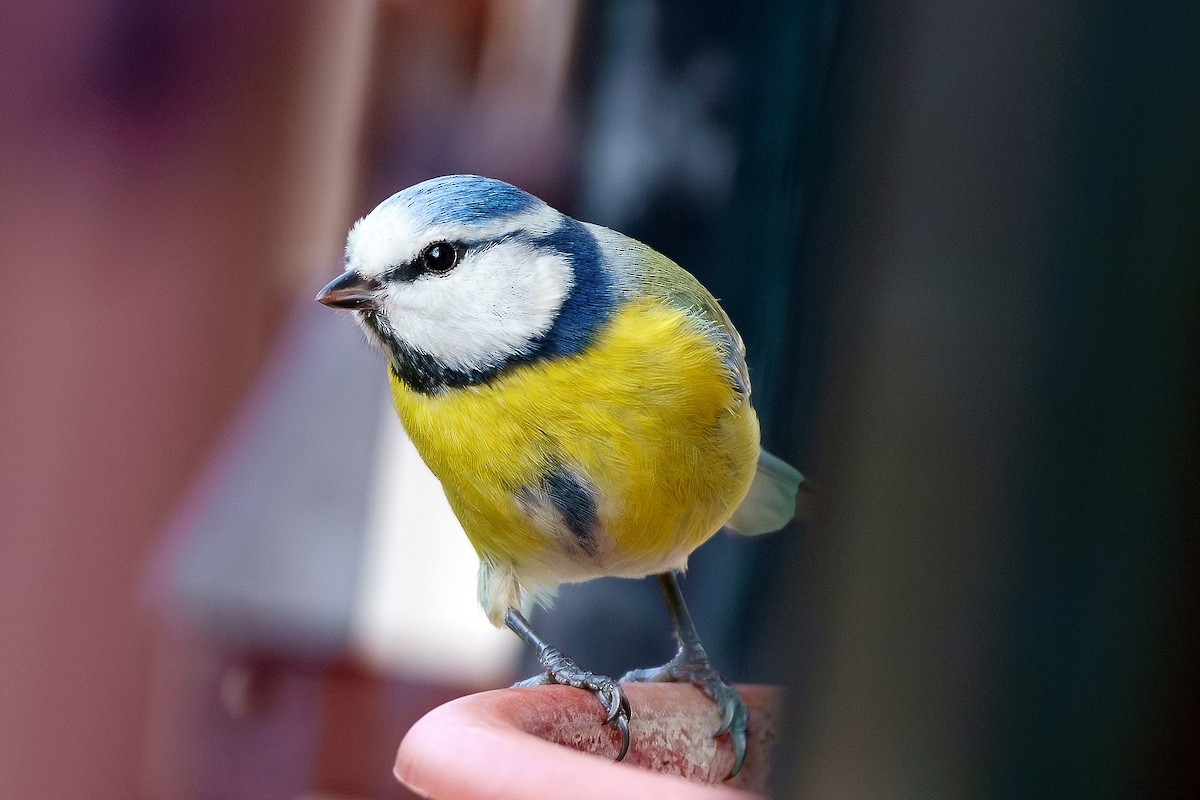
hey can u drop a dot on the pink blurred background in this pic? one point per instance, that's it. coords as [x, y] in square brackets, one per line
[174, 179]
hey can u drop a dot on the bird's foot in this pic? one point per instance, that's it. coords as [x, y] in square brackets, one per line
[691, 664]
[563, 670]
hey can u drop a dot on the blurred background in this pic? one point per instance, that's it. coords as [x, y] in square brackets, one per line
[961, 240]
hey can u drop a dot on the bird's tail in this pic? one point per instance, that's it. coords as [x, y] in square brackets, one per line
[778, 494]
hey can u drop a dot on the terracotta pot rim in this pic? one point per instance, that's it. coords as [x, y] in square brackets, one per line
[483, 745]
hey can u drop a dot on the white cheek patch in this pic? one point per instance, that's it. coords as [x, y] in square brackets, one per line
[488, 308]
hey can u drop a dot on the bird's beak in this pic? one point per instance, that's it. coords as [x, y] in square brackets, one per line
[351, 290]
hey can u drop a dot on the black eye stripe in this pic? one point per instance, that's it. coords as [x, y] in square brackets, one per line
[437, 258]
[423, 264]
[408, 271]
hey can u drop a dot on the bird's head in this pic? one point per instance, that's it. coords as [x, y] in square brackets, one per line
[460, 277]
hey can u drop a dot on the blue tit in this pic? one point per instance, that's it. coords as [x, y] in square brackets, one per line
[583, 400]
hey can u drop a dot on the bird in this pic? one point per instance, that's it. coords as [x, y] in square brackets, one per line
[583, 400]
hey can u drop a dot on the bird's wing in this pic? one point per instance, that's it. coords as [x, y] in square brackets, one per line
[650, 272]
[775, 496]
[697, 300]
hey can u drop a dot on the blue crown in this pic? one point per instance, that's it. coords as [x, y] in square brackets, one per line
[463, 198]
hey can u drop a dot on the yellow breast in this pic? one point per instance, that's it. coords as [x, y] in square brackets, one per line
[648, 414]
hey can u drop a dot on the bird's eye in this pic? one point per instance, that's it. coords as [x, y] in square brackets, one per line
[439, 257]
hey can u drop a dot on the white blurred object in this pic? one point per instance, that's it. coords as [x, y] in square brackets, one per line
[416, 612]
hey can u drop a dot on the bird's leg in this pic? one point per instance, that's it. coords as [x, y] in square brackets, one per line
[691, 664]
[562, 669]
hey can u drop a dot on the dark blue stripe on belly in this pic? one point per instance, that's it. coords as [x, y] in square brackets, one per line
[575, 504]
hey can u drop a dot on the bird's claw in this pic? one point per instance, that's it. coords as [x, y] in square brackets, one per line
[561, 669]
[691, 665]
[621, 721]
[617, 703]
[734, 718]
